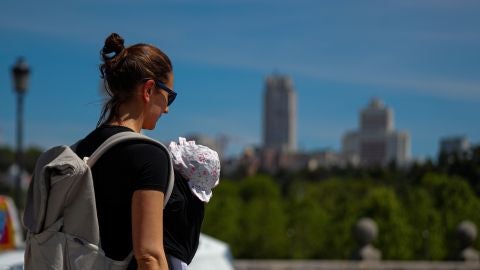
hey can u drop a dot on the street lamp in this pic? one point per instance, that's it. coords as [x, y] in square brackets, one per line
[20, 72]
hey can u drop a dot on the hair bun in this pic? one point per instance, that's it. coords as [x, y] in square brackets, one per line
[113, 44]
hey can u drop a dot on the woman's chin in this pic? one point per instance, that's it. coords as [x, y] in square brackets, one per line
[149, 127]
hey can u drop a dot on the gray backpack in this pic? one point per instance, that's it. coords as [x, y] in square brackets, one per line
[60, 215]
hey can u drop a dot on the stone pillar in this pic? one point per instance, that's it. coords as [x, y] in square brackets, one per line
[365, 232]
[467, 233]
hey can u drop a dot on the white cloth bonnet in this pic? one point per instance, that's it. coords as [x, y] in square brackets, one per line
[197, 163]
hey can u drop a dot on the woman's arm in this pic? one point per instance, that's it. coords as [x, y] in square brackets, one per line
[147, 230]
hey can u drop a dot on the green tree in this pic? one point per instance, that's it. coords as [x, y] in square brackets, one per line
[7, 157]
[30, 157]
[426, 221]
[306, 223]
[395, 234]
[455, 201]
[222, 214]
[340, 199]
[346, 201]
[262, 221]
[466, 165]
[417, 212]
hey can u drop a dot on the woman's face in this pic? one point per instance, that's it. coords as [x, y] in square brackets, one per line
[157, 105]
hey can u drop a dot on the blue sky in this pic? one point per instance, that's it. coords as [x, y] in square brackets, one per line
[421, 57]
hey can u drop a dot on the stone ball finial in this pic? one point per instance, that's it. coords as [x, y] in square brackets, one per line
[467, 232]
[365, 231]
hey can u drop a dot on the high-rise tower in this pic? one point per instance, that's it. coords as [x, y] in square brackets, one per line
[280, 114]
[376, 142]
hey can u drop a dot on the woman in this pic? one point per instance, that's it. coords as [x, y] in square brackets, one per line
[131, 178]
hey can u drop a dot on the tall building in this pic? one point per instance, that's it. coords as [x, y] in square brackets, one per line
[376, 142]
[454, 145]
[280, 114]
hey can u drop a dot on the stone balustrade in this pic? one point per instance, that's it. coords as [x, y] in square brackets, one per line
[351, 265]
[369, 257]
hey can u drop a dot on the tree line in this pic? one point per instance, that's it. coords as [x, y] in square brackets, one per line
[311, 215]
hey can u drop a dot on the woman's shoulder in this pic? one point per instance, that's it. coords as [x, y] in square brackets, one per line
[96, 137]
[149, 149]
[99, 135]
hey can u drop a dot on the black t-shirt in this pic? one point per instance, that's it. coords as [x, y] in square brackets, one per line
[131, 166]
[182, 221]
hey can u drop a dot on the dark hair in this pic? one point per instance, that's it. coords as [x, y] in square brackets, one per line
[124, 68]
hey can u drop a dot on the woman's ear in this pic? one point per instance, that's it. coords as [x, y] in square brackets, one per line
[146, 90]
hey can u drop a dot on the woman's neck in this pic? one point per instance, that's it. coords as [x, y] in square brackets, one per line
[129, 123]
[128, 117]
[129, 114]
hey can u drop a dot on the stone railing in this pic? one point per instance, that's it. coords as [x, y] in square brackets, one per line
[367, 257]
[351, 265]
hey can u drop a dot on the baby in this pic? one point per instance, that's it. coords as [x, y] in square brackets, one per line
[197, 163]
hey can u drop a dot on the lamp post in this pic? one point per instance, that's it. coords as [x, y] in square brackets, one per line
[20, 72]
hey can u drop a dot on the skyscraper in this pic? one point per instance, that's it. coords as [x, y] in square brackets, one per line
[376, 142]
[280, 114]
[454, 145]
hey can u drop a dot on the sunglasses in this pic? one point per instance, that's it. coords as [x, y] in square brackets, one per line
[171, 94]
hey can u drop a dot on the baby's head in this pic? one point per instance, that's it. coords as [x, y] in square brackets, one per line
[197, 163]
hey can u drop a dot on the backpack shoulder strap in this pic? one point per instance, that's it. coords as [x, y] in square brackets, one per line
[126, 136]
